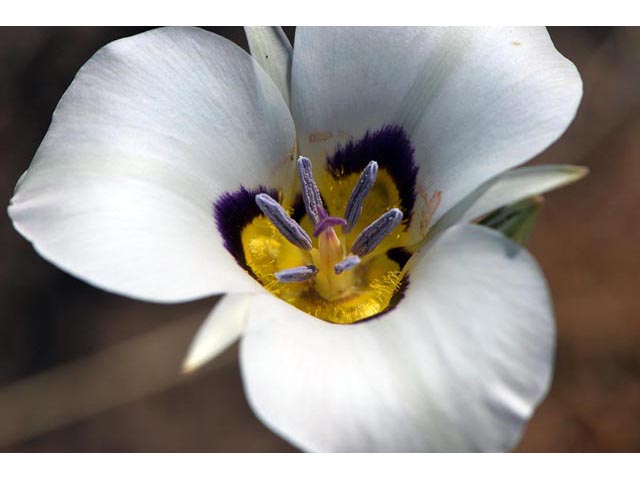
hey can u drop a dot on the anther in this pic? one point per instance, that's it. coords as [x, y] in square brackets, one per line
[310, 194]
[360, 191]
[371, 236]
[347, 264]
[288, 227]
[297, 274]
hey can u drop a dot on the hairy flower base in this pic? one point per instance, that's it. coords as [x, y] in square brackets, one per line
[344, 298]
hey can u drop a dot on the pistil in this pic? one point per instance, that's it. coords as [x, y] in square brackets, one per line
[327, 222]
[330, 253]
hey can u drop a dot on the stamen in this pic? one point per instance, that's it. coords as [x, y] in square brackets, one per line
[297, 274]
[310, 194]
[360, 191]
[371, 236]
[347, 264]
[327, 222]
[288, 227]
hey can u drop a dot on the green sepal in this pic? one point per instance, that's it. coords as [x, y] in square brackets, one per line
[516, 221]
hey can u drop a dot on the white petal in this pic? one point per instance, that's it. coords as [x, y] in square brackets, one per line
[223, 326]
[458, 365]
[475, 101]
[510, 187]
[272, 50]
[151, 132]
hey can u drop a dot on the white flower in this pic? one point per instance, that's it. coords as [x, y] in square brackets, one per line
[164, 134]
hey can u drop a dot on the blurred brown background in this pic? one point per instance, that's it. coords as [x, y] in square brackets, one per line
[83, 370]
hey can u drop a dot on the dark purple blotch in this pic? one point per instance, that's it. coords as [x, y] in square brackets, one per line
[391, 147]
[235, 210]
[297, 210]
[400, 255]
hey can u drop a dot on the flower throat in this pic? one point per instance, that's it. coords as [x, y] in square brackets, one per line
[342, 269]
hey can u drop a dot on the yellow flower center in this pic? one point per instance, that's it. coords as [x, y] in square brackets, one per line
[355, 294]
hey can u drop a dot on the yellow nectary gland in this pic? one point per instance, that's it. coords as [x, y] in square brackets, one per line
[354, 295]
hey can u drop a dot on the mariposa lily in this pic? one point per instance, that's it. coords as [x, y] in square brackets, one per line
[327, 191]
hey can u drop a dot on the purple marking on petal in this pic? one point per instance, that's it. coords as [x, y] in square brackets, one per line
[400, 255]
[391, 147]
[232, 212]
[297, 209]
[327, 222]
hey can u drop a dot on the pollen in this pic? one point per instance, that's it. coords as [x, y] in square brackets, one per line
[335, 268]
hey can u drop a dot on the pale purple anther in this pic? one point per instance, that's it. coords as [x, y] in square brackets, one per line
[310, 193]
[297, 274]
[371, 236]
[360, 191]
[288, 227]
[347, 264]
